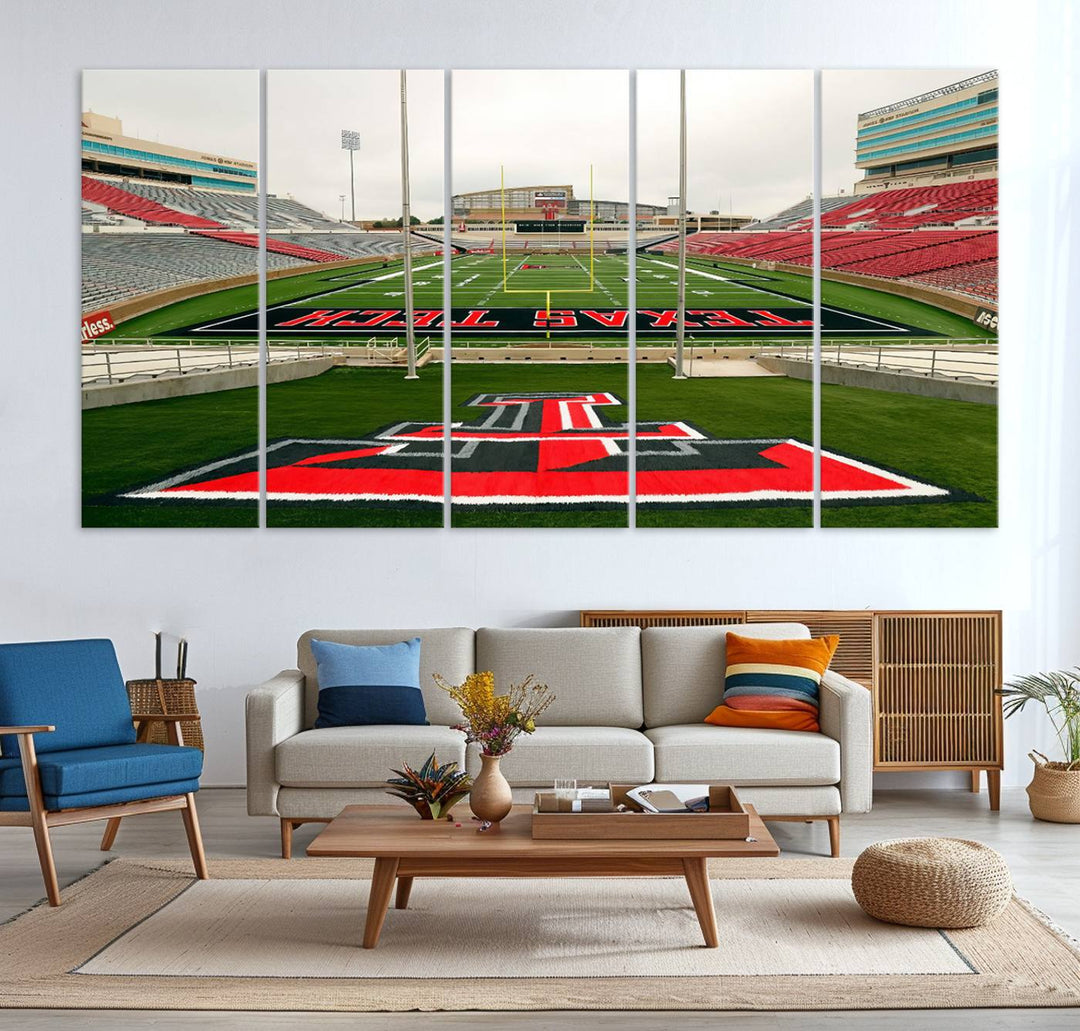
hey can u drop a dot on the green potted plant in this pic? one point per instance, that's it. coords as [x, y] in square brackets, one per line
[432, 790]
[1054, 792]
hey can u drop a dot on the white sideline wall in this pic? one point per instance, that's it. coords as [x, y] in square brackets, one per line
[244, 596]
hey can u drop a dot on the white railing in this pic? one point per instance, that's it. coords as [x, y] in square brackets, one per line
[958, 360]
[124, 358]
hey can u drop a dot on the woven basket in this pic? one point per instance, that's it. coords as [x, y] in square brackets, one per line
[1054, 791]
[932, 882]
[166, 698]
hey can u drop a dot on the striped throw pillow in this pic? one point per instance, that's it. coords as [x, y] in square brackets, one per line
[773, 684]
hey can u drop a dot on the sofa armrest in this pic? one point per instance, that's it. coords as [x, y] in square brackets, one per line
[846, 716]
[274, 711]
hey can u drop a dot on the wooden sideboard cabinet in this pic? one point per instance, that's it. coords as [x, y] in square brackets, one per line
[934, 675]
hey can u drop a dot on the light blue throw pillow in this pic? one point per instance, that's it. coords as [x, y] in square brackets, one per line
[361, 685]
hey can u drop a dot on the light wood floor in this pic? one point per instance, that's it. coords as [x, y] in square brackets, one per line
[1044, 857]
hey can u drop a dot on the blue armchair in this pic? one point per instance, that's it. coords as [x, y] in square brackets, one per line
[68, 749]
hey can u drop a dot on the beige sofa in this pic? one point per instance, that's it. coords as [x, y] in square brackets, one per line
[629, 707]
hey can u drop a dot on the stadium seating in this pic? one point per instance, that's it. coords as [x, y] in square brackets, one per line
[235, 211]
[798, 212]
[277, 244]
[119, 266]
[115, 199]
[979, 279]
[923, 255]
[199, 209]
[356, 245]
[947, 205]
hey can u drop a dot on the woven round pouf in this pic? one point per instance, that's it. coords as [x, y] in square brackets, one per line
[932, 882]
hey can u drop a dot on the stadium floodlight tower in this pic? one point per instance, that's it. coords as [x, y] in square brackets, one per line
[350, 141]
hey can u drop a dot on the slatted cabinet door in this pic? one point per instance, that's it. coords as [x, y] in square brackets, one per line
[935, 694]
[854, 656]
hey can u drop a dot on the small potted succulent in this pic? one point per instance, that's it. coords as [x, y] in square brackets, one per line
[1054, 792]
[432, 790]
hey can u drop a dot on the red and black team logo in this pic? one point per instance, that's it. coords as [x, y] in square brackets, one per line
[545, 449]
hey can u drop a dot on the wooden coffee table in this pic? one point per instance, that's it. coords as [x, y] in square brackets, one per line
[404, 847]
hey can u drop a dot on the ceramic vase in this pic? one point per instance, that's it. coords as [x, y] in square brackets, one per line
[490, 799]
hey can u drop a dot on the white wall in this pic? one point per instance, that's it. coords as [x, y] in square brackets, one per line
[243, 596]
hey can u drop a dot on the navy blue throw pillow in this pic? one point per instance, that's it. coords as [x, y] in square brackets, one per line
[360, 685]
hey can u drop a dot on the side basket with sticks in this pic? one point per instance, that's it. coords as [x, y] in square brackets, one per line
[155, 706]
[166, 697]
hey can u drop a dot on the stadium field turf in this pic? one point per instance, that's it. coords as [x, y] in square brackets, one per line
[479, 282]
[949, 443]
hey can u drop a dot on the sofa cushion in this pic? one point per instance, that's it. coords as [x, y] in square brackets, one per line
[82, 770]
[449, 651]
[586, 754]
[114, 796]
[74, 685]
[683, 667]
[743, 755]
[595, 674]
[364, 684]
[362, 756]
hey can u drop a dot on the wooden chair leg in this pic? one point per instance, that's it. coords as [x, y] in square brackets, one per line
[109, 836]
[834, 836]
[45, 858]
[28, 755]
[194, 836]
[286, 839]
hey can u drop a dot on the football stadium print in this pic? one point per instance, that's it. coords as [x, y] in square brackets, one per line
[476, 366]
[542, 450]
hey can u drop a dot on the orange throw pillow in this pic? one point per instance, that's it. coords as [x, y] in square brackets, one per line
[773, 684]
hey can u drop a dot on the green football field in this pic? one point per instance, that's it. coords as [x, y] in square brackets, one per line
[947, 443]
[566, 280]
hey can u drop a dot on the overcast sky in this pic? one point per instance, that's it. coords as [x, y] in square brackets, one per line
[749, 132]
[544, 127]
[748, 139]
[202, 110]
[307, 110]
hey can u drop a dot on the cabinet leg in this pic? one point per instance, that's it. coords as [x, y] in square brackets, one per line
[993, 787]
[975, 781]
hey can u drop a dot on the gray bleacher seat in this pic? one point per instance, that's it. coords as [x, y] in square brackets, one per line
[119, 266]
[797, 212]
[235, 210]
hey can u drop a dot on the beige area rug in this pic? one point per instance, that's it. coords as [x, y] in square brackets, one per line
[268, 934]
[454, 928]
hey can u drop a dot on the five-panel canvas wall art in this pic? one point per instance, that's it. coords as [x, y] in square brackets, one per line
[556, 298]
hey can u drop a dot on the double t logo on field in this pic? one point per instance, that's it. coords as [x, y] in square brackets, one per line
[546, 449]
